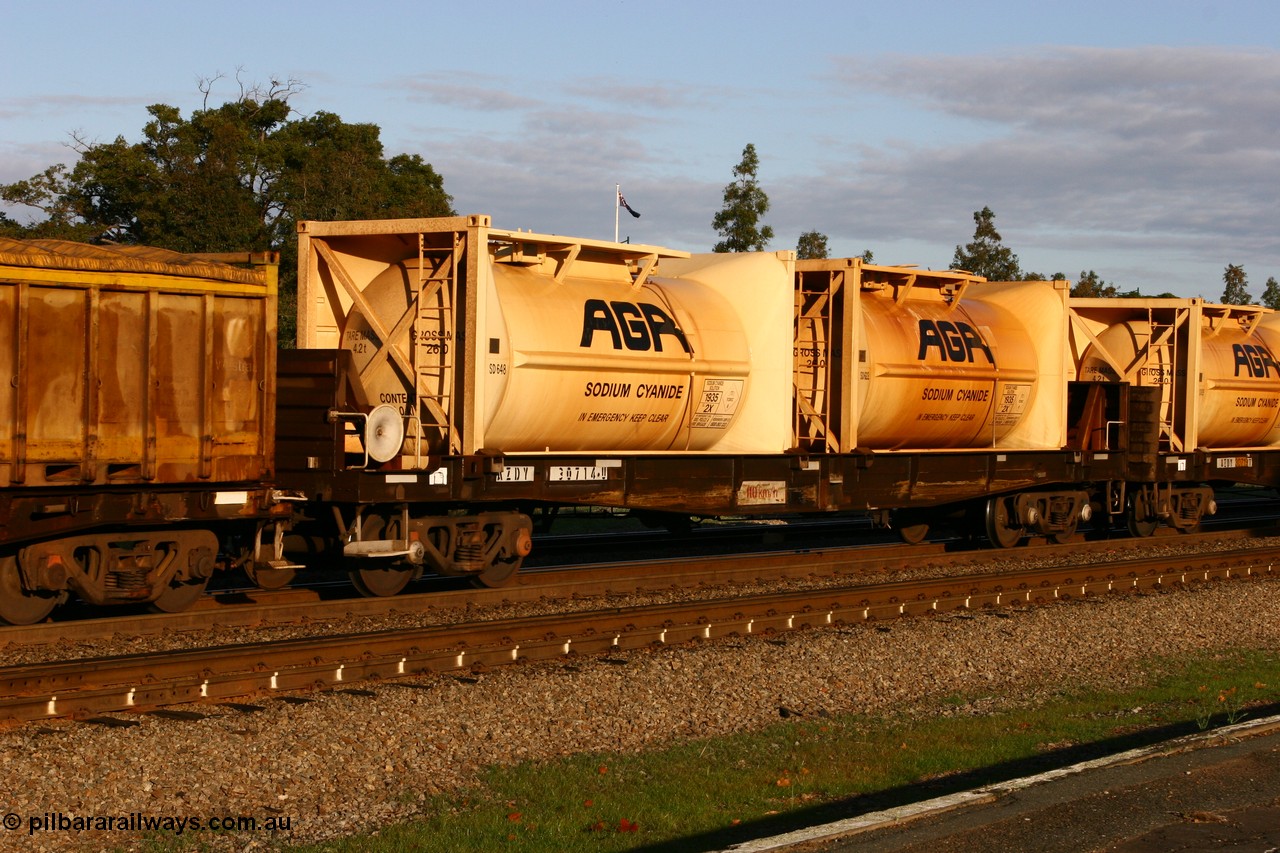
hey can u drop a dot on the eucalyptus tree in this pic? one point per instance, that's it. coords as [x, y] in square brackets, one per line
[1271, 294]
[985, 254]
[1235, 289]
[234, 177]
[738, 222]
[812, 245]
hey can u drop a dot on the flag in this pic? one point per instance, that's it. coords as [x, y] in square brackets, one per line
[622, 201]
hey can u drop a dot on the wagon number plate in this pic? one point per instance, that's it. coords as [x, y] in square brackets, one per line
[577, 473]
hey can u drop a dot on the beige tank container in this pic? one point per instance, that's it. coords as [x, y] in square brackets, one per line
[760, 288]
[1216, 365]
[973, 371]
[579, 345]
[898, 358]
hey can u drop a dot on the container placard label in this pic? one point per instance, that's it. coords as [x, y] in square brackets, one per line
[718, 403]
[1011, 403]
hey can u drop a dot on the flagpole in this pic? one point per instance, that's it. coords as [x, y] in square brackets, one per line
[617, 194]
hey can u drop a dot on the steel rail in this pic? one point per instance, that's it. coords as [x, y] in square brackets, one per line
[254, 608]
[258, 608]
[88, 687]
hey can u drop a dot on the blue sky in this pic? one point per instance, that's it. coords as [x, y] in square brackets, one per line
[1137, 139]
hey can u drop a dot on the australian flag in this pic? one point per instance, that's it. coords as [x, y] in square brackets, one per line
[622, 201]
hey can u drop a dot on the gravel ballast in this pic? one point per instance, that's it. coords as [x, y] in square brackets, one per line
[348, 761]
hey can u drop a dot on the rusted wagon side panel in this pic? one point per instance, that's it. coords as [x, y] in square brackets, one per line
[133, 366]
[136, 424]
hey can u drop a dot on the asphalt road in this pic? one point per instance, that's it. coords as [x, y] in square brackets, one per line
[1218, 791]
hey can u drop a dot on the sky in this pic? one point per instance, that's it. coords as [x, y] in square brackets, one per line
[1140, 140]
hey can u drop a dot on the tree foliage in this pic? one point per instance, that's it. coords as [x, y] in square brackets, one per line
[1236, 286]
[235, 177]
[8, 227]
[812, 245]
[738, 222]
[986, 255]
[1091, 286]
[1271, 294]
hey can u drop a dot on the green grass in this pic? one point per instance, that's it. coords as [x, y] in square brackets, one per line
[708, 794]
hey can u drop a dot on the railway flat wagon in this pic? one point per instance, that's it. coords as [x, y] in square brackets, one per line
[453, 375]
[936, 397]
[1211, 376]
[136, 422]
[449, 367]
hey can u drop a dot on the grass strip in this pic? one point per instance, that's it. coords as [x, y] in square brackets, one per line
[708, 794]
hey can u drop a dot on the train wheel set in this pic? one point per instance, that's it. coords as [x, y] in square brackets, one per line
[454, 381]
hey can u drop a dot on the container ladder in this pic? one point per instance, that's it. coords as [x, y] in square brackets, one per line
[1162, 356]
[814, 295]
[435, 347]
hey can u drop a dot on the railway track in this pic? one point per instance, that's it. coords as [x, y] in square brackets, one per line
[252, 608]
[587, 564]
[91, 686]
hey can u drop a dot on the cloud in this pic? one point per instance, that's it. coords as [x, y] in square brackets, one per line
[464, 90]
[1152, 148]
[30, 107]
[657, 98]
[546, 162]
[1124, 93]
[1092, 158]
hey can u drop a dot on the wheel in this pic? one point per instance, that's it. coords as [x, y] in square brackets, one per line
[999, 521]
[19, 606]
[912, 529]
[1139, 523]
[1141, 528]
[496, 575]
[375, 582]
[913, 534]
[179, 596]
[375, 579]
[268, 577]
[506, 553]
